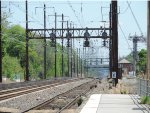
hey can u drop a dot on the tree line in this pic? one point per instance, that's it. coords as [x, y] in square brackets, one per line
[14, 55]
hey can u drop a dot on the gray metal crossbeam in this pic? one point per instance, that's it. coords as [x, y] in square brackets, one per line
[78, 33]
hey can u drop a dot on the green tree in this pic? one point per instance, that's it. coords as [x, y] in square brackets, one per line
[11, 67]
[142, 60]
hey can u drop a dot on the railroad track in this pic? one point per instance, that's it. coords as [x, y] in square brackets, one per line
[71, 97]
[10, 93]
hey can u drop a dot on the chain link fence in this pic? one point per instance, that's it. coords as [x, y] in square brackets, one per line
[143, 87]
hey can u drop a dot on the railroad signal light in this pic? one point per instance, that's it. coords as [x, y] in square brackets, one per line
[101, 61]
[68, 43]
[86, 37]
[86, 43]
[86, 34]
[53, 38]
[68, 35]
[52, 43]
[104, 34]
[104, 43]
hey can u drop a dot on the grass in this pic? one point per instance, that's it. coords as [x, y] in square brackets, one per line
[145, 100]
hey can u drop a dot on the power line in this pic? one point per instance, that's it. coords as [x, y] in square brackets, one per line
[125, 9]
[135, 18]
[124, 36]
[75, 13]
[28, 15]
[82, 13]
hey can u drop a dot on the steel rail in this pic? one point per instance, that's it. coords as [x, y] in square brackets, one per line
[32, 89]
[52, 99]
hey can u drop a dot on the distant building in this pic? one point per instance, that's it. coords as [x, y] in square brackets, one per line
[126, 66]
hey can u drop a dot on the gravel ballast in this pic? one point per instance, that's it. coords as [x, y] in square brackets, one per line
[27, 101]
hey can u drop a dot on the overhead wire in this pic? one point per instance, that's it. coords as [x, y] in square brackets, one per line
[135, 18]
[124, 36]
[74, 13]
[123, 12]
[28, 14]
[82, 12]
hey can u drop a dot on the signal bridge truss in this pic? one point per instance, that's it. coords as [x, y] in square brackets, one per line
[75, 33]
[96, 63]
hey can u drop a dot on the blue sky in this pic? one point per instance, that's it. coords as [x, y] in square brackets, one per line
[83, 13]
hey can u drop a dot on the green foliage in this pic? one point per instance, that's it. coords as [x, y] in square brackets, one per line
[16, 41]
[11, 67]
[14, 54]
[141, 63]
[142, 60]
[145, 100]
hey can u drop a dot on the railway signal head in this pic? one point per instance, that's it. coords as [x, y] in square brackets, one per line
[86, 37]
[86, 34]
[104, 34]
[105, 43]
[68, 35]
[53, 38]
[68, 43]
[86, 43]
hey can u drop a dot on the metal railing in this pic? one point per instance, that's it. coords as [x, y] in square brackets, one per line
[143, 87]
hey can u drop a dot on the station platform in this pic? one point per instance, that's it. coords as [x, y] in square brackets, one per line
[114, 103]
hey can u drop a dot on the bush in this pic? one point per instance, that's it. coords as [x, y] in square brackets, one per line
[145, 100]
[79, 102]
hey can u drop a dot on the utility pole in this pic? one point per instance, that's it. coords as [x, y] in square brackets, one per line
[71, 55]
[44, 17]
[115, 41]
[148, 40]
[55, 47]
[110, 42]
[44, 41]
[77, 62]
[56, 41]
[74, 53]
[0, 42]
[68, 49]
[81, 62]
[62, 47]
[27, 39]
[135, 40]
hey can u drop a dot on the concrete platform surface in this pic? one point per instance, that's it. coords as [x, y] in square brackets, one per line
[114, 103]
